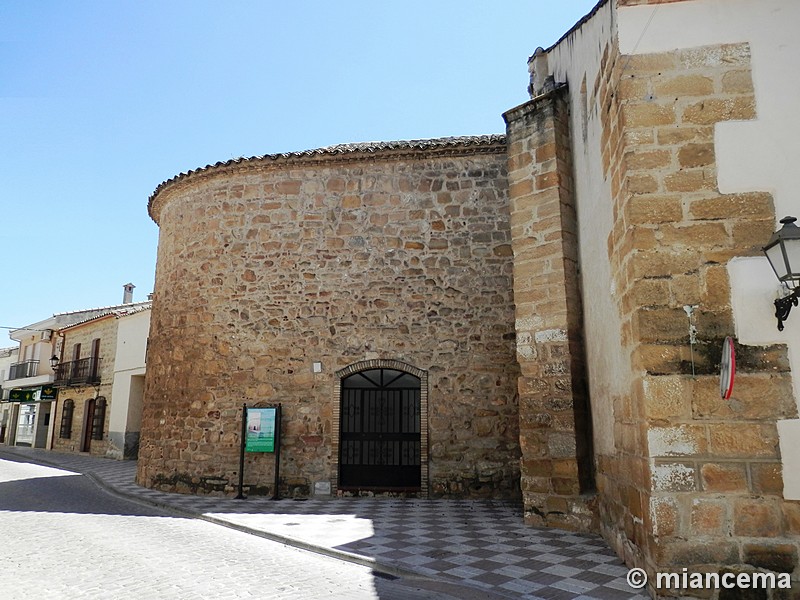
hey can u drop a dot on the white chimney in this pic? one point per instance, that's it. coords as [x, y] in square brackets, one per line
[127, 296]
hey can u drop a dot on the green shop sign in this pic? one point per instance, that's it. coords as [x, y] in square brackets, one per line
[40, 394]
[49, 393]
[22, 395]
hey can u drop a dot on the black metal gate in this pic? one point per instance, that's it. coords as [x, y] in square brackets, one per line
[380, 431]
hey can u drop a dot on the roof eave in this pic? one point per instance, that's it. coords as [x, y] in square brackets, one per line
[341, 153]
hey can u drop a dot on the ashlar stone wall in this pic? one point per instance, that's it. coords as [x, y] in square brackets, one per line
[708, 488]
[391, 252]
[555, 431]
[690, 482]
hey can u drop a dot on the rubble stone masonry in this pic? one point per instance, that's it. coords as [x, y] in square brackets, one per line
[459, 261]
[399, 254]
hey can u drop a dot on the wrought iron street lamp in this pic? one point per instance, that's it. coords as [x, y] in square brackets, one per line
[53, 362]
[783, 254]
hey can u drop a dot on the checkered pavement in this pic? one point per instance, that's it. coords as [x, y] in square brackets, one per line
[481, 544]
[485, 544]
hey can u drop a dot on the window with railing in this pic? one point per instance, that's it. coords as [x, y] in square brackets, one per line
[20, 370]
[75, 372]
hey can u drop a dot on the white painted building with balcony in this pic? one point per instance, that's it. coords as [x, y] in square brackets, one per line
[31, 374]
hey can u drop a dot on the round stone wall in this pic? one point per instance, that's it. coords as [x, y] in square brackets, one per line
[338, 257]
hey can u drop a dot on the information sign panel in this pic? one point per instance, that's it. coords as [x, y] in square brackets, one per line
[260, 429]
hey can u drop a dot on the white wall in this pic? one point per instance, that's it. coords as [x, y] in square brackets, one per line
[129, 362]
[6, 360]
[757, 155]
[132, 335]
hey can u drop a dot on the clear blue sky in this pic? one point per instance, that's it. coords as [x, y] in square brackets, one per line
[102, 100]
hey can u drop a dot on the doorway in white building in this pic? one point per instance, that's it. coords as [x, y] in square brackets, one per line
[33, 424]
[26, 423]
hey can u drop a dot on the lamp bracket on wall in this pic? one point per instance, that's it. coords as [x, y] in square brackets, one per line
[783, 306]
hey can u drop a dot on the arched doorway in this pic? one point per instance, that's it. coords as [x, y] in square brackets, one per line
[380, 445]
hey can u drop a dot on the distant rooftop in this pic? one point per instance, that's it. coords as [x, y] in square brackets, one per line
[68, 319]
[105, 309]
[122, 310]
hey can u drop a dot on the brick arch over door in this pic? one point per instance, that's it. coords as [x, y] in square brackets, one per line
[337, 405]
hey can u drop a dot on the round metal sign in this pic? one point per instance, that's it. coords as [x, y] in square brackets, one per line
[727, 369]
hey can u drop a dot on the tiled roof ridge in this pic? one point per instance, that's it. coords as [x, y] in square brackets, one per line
[342, 150]
[131, 309]
[122, 310]
[418, 144]
[103, 308]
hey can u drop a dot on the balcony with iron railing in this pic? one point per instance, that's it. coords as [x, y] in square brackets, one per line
[22, 370]
[77, 372]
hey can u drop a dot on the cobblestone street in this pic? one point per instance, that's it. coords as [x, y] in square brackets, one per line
[161, 545]
[64, 538]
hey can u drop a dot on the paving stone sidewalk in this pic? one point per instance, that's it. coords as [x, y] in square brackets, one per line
[481, 544]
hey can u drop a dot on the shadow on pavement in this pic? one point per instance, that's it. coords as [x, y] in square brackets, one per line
[482, 547]
[51, 490]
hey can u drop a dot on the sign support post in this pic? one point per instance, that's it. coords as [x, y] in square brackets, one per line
[277, 494]
[240, 495]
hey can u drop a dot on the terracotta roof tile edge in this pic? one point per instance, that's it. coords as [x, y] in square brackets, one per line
[116, 312]
[339, 150]
[110, 308]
